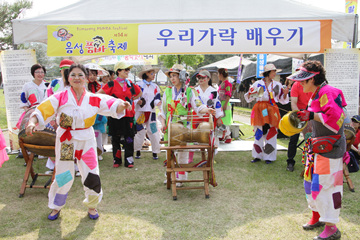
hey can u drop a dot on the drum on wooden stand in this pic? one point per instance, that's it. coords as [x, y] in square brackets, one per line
[44, 137]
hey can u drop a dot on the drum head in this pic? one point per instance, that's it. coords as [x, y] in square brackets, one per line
[295, 121]
[39, 138]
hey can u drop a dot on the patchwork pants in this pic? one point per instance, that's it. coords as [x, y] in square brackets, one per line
[324, 189]
[84, 152]
[128, 144]
[265, 145]
[149, 127]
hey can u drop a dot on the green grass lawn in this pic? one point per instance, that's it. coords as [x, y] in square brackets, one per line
[252, 201]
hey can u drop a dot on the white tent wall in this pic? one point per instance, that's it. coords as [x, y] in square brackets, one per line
[35, 30]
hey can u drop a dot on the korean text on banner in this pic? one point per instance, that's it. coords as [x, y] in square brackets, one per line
[190, 38]
[96, 39]
[260, 64]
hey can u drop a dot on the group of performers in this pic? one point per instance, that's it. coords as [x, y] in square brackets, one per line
[133, 107]
[77, 102]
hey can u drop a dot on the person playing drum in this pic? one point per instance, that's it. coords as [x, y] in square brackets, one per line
[323, 177]
[75, 109]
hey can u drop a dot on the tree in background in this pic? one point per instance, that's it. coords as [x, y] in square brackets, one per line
[50, 63]
[9, 12]
[188, 60]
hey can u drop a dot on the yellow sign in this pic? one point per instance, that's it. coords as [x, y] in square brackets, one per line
[350, 7]
[97, 39]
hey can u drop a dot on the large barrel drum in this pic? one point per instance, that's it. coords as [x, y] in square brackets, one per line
[44, 137]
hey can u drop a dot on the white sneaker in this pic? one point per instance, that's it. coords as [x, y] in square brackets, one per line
[100, 158]
[41, 157]
[49, 172]
[77, 174]
[179, 184]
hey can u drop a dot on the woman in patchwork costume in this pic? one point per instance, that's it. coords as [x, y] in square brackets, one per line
[176, 101]
[122, 131]
[323, 177]
[265, 115]
[209, 96]
[34, 92]
[145, 112]
[75, 109]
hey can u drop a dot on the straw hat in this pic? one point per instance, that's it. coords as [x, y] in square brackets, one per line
[269, 67]
[176, 68]
[147, 68]
[121, 65]
[100, 70]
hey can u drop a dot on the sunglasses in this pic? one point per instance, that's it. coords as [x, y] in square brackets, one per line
[127, 69]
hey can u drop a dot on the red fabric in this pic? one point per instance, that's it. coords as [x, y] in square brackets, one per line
[147, 115]
[67, 134]
[95, 101]
[272, 132]
[117, 91]
[32, 99]
[315, 218]
[357, 139]
[303, 98]
[94, 86]
[78, 154]
[118, 154]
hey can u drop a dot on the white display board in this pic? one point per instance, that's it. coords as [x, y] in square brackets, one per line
[15, 67]
[342, 71]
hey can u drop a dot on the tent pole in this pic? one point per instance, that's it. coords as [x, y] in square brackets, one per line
[355, 37]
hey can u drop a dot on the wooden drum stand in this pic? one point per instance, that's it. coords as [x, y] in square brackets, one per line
[178, 136]
[29, 168]
[172, 167]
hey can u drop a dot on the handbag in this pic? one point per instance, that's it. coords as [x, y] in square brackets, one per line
[353, 166]
[324, 144]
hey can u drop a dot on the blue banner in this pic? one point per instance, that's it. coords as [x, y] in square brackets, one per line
[261, 62]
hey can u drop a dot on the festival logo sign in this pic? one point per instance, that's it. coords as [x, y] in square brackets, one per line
[189, 38]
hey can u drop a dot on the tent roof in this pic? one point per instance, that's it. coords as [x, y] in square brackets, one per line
[98, 12]
[229, 63]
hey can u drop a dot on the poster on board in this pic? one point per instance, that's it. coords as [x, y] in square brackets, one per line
[15, 67]
[342, 72]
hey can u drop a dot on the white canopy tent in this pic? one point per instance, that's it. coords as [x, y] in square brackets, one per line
[161, 77]
[97, 12]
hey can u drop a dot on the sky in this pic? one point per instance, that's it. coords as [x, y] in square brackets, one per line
[44, 6]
